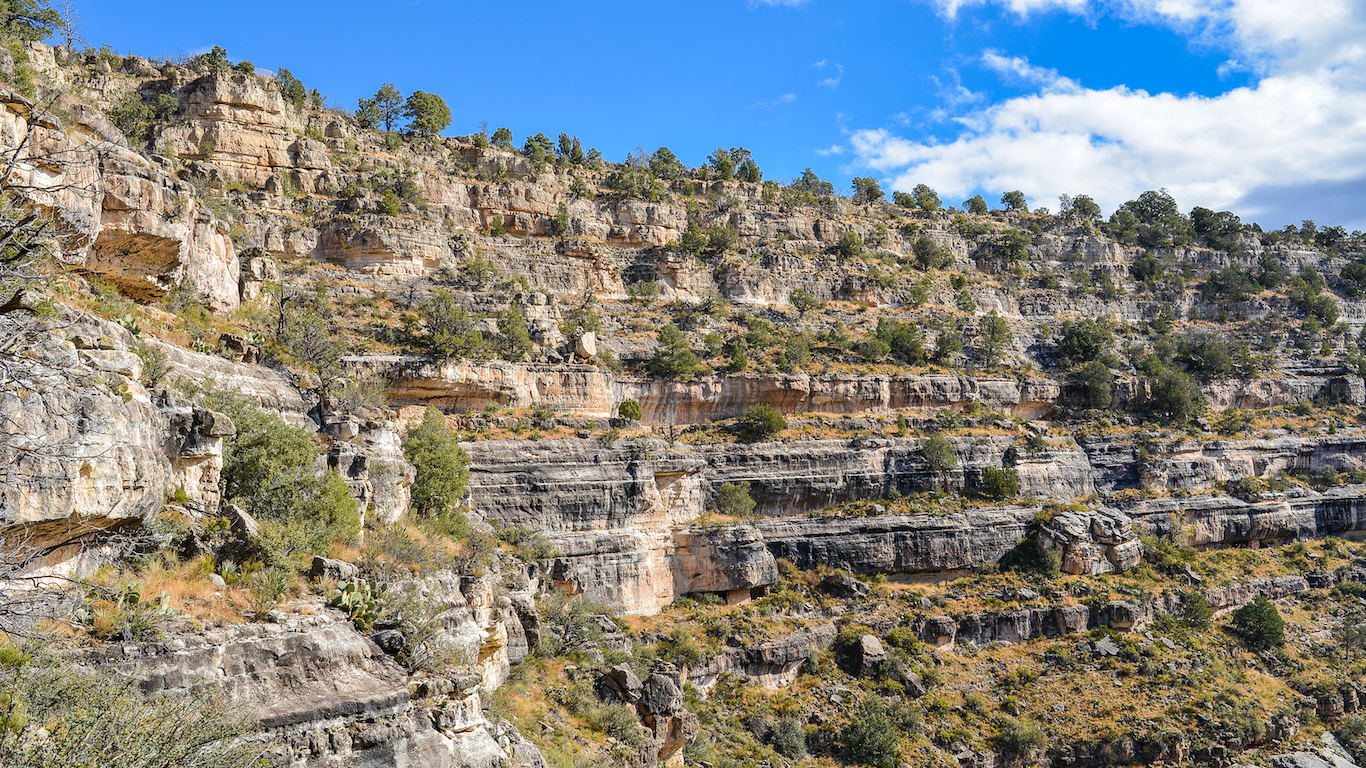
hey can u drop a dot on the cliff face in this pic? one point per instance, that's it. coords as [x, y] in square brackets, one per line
[328, 696]
[86, 447]
[129, 221]
[376, 225]
[629, 520]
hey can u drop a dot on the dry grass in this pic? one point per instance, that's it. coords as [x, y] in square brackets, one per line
[188, 589]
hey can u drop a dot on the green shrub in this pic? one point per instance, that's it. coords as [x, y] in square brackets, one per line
[871, 738]
[1197, 613]
[1259, 624]
[514, 338]
[442, 467]
[1083, 341]
[630, 409]
[994, 336]
[448, 329]
[268, 470]
[734, 499]
[850, 245]
[1097, 384]
[268, 587]
[1019, 737]
[427, 112]
[999, 483]
[1175, 396]
[939, 456]
[155, 363]
[789, 738]
[1352, 734]
[804, 301]
[673, 359]
[679, 648]
[760, 423]
[89, 718]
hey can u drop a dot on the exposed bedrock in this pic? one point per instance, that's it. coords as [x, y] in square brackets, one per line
[458, 386]
[85, 446]
[1019, 625]
[593, 391]
[773, 663]
[131, 222]
[723, 397]
[624, 516]
[1223, 520]
[899, 543]
[329, 697]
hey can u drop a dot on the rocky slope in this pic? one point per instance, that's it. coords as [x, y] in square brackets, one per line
[261, 211]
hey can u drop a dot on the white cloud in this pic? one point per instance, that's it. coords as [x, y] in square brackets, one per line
[1018, 68]
[833, 149]
[786, 98]
[834, 80]
[1299, 126]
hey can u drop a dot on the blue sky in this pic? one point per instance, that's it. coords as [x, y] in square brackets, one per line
[1258, 106]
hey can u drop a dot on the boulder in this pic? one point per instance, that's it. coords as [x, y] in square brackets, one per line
[863, 656]
[391, 641]
[337, 570]
[660, 694]
[844, 585]
[1092, 542]
[940, 630]
[621, 683]
[1105, 647]
[587, 346]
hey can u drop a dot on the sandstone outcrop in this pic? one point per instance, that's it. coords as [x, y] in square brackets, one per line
[772, 664]
[86, 447]
[1093, 542]
[130, 222]
[368, 454]
[327, 696]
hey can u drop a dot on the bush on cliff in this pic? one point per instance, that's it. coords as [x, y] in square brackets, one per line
[1175, 396]
[734, 499]
[91, 720]
[1259, 624]
[761, 422]
[1018, 737]
[449, 331]
[630, 409]
[514, 338]
[673, 359]
[999, 483]
[1097, 384]
[939, 455]
[443, 473]
[871, 738]
[268, 471]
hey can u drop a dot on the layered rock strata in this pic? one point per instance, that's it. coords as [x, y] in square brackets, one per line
[326, 695]
[125, 219]
[86, 448]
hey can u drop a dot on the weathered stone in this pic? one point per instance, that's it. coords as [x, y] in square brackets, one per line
[337, 570]
[620, 682]
[587, 346]
[391, 641]
[660, 694]
[864, 655]
[845, 586]
[1105, 647]
[1092, 542]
